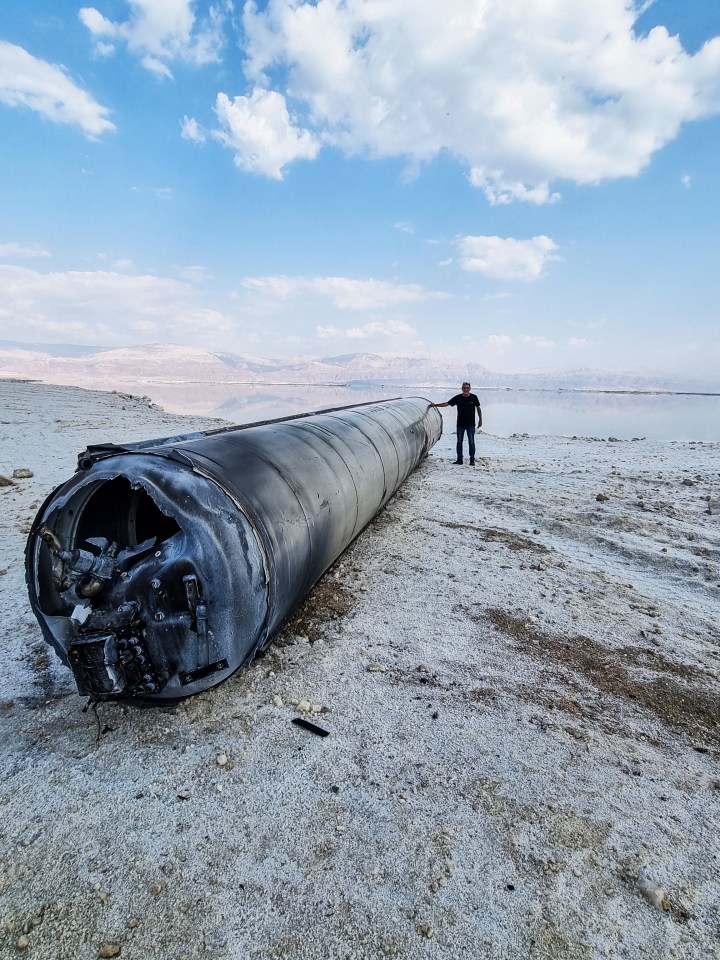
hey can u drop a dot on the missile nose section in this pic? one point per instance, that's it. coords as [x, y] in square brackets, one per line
[161, 567]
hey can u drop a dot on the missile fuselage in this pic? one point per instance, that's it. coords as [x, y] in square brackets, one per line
[161, 567]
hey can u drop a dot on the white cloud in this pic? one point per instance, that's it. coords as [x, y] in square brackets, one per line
[375, 329]
[99, 25]
[494, 347]
[344, 293]
[102, 307]
[159, 32]
[577, 343]
[12, 251]
[505, 258]
[158, 67]
[523, 93]
[191, 130]
[103, 49]
[388, 328]
[260, 131]
[160, 193]
[686, 180]
[26, 81]
[540, 343]
[499, 191]
[328, 332]
[195, 273]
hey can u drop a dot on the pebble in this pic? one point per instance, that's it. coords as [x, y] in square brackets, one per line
[653, 893]
[22, 473]
[304, 706]
[602, 498]
[22, 943]
[221, 759]
[6, 481]
[377, 668]
[277, 700]
[109, 950]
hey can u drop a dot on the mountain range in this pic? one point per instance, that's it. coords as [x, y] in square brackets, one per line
[92, 366]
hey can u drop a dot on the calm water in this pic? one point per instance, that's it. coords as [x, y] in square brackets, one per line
[561, 413]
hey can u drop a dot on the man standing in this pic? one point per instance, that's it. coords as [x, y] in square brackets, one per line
[466, 404]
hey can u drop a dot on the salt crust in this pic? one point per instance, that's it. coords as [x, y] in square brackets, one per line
[520, 681]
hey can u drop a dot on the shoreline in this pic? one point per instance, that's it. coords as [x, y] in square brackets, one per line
[374, 384]
[519, 666]
[553, 413]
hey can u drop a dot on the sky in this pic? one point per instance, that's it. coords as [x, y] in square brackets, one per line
[532, 185]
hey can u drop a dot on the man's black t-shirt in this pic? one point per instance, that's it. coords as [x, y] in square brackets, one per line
[465, 408]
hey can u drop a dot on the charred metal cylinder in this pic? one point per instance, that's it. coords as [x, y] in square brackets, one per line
[160, 567]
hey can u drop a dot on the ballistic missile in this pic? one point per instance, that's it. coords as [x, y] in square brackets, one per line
[161, 567]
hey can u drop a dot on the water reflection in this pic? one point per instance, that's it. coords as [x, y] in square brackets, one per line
[561, 413]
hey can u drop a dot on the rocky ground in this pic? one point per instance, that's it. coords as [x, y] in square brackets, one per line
[518, 666]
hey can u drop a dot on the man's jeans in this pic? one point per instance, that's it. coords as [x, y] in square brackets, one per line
[471, 441]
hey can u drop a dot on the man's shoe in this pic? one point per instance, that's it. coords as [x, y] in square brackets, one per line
[457, 461]
[472, 462]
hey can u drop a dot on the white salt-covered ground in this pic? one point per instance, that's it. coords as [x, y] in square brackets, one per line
[521, 687]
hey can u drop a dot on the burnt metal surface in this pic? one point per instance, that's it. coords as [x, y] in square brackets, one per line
[162, 566]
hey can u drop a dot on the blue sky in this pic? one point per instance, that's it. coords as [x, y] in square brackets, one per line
[530, 184]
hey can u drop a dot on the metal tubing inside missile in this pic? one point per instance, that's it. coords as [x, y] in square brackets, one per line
[160, 567]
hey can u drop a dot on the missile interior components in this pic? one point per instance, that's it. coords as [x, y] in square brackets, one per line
[160, 567]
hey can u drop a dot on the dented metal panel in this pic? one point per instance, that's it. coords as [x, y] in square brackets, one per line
[160, 567]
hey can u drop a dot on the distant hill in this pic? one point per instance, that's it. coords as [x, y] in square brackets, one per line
[52, 349]
[93, 366]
